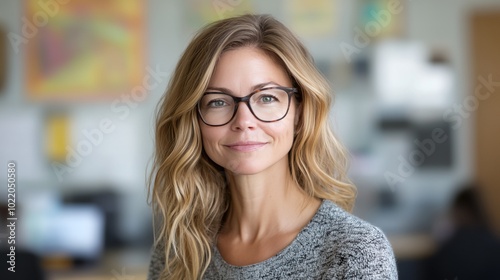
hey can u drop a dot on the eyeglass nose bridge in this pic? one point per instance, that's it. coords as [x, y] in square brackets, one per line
[244, 99]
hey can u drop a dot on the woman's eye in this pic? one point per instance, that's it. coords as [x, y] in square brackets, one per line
[268, 98]
[216, 103]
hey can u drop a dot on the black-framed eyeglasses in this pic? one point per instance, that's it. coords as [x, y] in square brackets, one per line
[269, 104]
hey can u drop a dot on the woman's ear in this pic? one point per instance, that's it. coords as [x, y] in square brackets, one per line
[298, 115]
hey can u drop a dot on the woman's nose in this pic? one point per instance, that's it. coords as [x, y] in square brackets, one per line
[243, 119]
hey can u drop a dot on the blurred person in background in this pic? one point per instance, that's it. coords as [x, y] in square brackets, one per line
[248, 180]
[472, 250]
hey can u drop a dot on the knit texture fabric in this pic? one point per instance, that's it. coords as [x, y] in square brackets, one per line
[334, 245]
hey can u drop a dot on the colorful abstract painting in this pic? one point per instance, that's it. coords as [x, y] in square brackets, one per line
[83, 49]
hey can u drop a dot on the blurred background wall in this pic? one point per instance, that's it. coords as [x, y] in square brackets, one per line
[416, 104]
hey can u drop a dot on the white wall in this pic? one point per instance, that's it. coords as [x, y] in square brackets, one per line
[122, 157]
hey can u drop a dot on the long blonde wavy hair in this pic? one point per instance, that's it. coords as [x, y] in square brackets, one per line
[188, 191]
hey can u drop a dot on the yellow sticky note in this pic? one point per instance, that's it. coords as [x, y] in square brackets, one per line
[57, 137]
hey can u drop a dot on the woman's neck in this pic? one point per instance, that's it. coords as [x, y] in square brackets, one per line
[264, 205]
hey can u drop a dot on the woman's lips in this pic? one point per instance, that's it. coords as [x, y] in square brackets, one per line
[246, 146]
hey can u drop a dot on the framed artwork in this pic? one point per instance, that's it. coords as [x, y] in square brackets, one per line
[314, 18]
[198, 13]
[382, 18]
[3, 57]
[83, 49]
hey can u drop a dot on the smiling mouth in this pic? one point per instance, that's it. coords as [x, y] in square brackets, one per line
[246, 146]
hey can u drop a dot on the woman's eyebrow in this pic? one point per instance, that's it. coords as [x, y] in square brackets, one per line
[261, 85]
[221, 89]
[254, 88]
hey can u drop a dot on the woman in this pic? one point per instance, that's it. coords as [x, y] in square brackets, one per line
[248, 180]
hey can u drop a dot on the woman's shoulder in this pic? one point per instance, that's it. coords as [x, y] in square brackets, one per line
[357, 247]
[157, 263]
[343, 225]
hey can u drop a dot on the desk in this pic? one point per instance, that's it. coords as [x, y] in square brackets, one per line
[412, 246]
[115, 265]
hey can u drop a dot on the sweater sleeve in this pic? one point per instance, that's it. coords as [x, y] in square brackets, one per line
[368, 256]
[156, 264]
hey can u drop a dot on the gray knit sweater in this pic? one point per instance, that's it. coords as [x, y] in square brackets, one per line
[334, 245]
